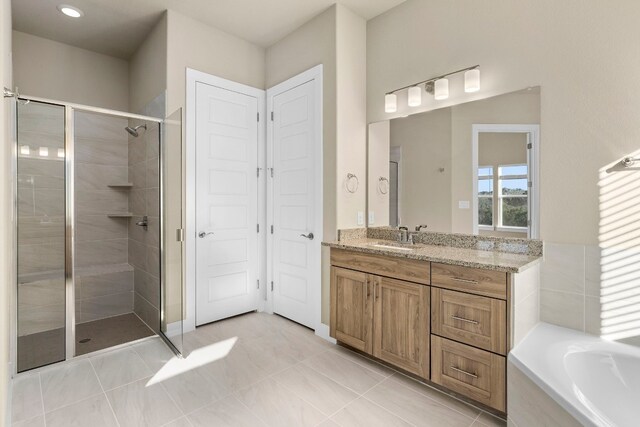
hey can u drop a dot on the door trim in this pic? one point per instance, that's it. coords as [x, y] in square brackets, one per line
[533, 157]
[194, 77]
[314, 74]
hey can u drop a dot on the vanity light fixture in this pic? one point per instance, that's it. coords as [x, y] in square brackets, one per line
[472, 80]
[390, 103]
[437, 86]
[25, 150]
[441, 89]
[70, 11]
[415, 96]
[43, 152]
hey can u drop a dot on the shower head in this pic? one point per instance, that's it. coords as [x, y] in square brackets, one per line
[133, 131]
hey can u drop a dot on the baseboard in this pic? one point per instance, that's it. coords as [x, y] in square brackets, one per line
[323, 332]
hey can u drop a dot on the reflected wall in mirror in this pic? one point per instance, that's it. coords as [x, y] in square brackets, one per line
[469, 168]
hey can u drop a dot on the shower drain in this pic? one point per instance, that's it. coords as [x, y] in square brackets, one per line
[85, 340]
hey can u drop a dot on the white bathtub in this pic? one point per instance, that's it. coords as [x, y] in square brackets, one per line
[594, 380]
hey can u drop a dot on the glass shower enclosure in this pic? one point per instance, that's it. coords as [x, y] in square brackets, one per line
[99, 230]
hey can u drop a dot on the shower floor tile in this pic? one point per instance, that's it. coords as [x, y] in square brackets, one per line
[109, 332]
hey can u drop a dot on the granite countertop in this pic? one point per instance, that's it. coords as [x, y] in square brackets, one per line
[475, 258]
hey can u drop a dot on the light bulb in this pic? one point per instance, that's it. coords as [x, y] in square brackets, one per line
[61, 152]
[415, 96]
[390, 103]
[441, 89]
[25, 150]
[70, 11]
[43, 151]
[472, 80]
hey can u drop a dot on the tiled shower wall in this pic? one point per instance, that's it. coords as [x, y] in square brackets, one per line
[144, 245]
[592, 290]
[104, 278]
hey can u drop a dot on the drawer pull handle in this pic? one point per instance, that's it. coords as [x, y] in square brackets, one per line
[460, 279]
[462, 319]
[464, 372]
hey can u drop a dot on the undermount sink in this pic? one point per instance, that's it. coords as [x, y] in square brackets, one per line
[390, 245]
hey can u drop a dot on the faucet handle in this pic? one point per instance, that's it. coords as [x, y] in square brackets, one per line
[420, 227]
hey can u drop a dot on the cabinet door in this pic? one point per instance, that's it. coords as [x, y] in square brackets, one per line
[401, 330]
[352, 308]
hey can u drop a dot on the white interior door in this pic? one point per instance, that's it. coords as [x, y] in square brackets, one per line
[296, 200]
[226, 203]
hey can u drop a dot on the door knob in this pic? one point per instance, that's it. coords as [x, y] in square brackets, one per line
[203, 234]
[307, 236]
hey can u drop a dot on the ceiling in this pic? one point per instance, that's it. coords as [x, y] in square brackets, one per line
[118, 27]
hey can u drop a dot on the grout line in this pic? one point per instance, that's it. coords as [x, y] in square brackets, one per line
[441, 393]
[475, 419]
[103, 392]
[44, 414]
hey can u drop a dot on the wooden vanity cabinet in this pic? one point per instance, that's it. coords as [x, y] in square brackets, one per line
[352, 308]
[447, 324]
[401, 324]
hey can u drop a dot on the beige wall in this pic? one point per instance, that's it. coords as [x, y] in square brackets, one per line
[148, 68]
[48, 69]
[192, 44]
[564, 47]
[351, 115]
[7, 279]
[512, 108]
[425, 192]
[378, 166]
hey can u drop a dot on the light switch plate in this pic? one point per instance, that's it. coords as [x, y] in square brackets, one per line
[371, 218]
[463, 204]
[360, 218]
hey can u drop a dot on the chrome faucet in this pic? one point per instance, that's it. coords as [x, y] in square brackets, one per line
[420, 227]
[404, 234]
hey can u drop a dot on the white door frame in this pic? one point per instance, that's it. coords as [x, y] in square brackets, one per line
[194, 77]
[534, 169]
[313, 74]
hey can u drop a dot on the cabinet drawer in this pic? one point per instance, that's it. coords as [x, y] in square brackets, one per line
[389, 266]
[471, 319]
[477, 374]
[474, 280]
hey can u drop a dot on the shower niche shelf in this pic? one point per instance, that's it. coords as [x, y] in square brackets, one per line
[120, 215]
[124, 185]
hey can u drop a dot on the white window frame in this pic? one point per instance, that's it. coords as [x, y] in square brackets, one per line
[492, 178]
[533, 160]
[499, 226]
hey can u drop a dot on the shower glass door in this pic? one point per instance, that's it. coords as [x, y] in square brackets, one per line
[40, 215]
[172, 291]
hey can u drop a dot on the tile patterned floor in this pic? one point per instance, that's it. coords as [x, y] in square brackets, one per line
[252, 370]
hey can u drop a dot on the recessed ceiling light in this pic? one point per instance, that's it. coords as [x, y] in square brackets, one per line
[71, 11]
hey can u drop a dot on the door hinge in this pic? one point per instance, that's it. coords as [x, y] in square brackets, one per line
[258, 284]
[271, 229]
[272, 286]
[179, 235]
[272, 116]
[529, 146]
[258, 116]
[530, 184]
[258, 172]
[271, 172]
[258, 228]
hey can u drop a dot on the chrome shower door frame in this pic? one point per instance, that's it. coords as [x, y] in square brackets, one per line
[69, 147]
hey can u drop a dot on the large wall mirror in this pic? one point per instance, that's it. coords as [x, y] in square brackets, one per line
[470, 168]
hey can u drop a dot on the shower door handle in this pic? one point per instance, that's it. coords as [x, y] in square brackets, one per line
[203, 234]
